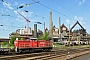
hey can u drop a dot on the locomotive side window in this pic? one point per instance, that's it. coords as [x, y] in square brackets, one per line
[35, 39]
[27, 38]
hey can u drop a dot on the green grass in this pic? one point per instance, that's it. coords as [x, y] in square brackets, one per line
[59, 46]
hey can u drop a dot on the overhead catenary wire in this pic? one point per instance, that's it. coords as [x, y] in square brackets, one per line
[3, 25]
[54, 10]
[51, 9]
[8, 27]
[12, 17]
[24, 10]
[63, 7]
[9, 15]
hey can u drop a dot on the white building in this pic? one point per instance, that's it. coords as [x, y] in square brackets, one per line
[24, 31]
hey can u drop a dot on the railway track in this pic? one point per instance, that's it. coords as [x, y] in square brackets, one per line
[17, 56]
[44, 55]
[53, 56]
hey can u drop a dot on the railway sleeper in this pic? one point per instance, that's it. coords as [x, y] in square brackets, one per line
[52, 57]
[35, 58]
[55, 56]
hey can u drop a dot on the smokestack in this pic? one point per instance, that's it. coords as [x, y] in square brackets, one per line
[44, 27]
[35, 30]
[51, 25]
[59, 26]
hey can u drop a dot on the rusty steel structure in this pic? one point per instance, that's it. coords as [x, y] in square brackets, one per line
[82, 30]
[80, 35]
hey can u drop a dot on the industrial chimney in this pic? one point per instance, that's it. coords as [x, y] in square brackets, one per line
[51, 26]
[35, 30]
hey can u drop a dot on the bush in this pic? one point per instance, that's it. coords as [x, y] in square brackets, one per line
[11, 46]
[13, 39]
[44, 37]
[4, 44]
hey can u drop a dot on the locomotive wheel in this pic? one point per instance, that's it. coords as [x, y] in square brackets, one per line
[5, 52]
[26, 51]
[31, 50]
[47, 50]
[20, 51]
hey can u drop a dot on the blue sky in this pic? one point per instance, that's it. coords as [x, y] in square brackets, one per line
[69, 11]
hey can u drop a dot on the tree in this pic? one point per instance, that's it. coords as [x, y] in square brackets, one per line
[4, 44]
[13, 33]
[13, 39]
[44, 37]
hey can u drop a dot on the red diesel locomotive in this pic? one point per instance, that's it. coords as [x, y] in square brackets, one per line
[31, 45]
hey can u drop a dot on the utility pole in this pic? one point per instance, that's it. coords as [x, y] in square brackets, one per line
[79, 37]
[69, 35]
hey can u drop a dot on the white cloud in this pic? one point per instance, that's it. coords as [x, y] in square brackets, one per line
[30, 13]
[2, 10]
[16, 3]
[26, 15]
[81, 2]
[15, 11]
[32, 20]
[6, 10]
[78, 18]
[20, 19]
[68, 21]
[22, 4]
[7, 5]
